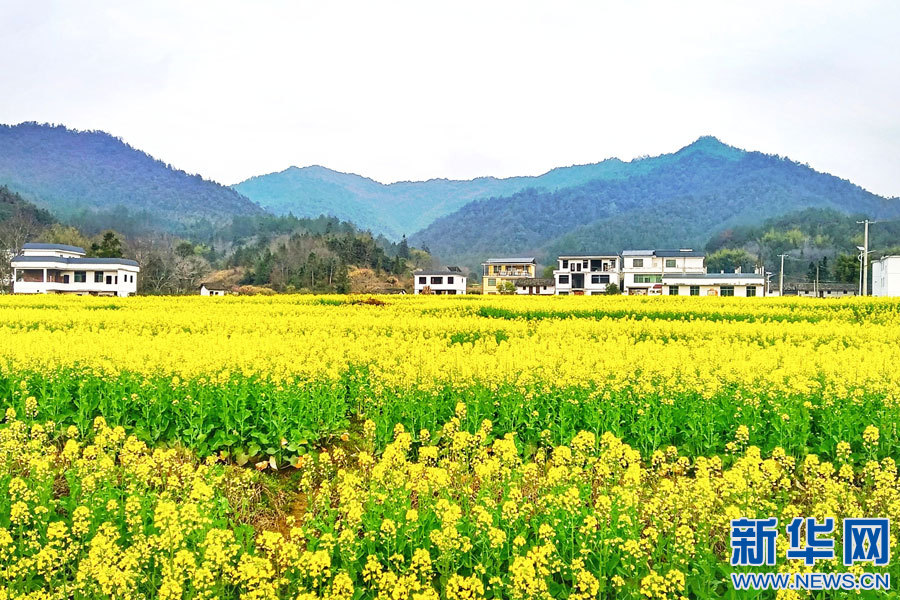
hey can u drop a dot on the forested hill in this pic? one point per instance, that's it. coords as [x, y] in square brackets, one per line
[13, 206]
[681, 201]
[404, 207]
[69, 172]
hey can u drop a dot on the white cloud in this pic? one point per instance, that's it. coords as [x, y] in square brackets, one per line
[412, 90]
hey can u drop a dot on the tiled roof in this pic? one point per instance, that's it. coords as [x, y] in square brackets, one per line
[76, 261]
[535, 281]
[42, 246]
[721, 276]
[439, 272]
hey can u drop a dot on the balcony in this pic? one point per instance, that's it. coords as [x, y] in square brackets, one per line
[509, 273]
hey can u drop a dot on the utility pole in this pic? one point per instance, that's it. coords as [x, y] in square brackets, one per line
[816, 284]
[781, 277]
[860, 258]
[865, 257]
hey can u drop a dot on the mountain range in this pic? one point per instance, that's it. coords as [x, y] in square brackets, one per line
[680, 199]
[71, 172]
[404, 207]
[674, 200]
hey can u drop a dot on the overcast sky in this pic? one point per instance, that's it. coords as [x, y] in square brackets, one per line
[420, 89]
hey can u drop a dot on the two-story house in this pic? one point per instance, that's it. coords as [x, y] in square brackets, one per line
[450, 281]
[643, 270]
[496, 272]
[62, 269]
[586, 274]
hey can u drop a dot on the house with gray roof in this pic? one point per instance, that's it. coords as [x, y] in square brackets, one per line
[62, 269]
[714, 284]
[643, 270]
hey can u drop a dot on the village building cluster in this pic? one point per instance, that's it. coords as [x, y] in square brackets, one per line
[680, 272]
[674, 272]
[62, 269]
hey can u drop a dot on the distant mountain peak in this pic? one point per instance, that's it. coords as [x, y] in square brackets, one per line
[712, 146]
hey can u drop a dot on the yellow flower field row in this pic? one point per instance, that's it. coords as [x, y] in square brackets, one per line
[465, 518]
[770, 346]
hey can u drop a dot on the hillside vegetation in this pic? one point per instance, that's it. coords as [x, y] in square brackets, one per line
[74, 173]
[405, 207]
[678, 200]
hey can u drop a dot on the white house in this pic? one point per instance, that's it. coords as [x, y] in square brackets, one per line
[886, 276]
[643, 270]
[62, 269]
[714, 284]
[212, 290]
[448, 281]
[586, 274]
[535, 286]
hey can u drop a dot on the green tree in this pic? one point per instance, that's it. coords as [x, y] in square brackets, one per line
[109, 247]
[342, 280]
[846, 268]
[729, 260]
[507, 287]
[403, 249]
[184, 249]
[613, 290]
[65, 234]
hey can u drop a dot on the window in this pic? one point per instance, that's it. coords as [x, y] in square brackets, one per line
[648, 278]
[751, 291]
[670, 263]
[30, 275]
[65, 278]
[449, 280]
[492, 281]
[80, 276]
[604, 279]
[673, 290]
[637, 262]
[98, 276]
[562, 293]
[695, 290]
[564, 279]
[423, 280]
[727, 290]
[437, 280]
[565, 264]
[596, 265]
[595, 279]
[576, 266]
[109, 280]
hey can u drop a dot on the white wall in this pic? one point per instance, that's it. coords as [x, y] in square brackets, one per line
[713, 289]
[886, 277]
[122, 283]
[569, 266]
[440, 284]
[657, 266]
[543, 290]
